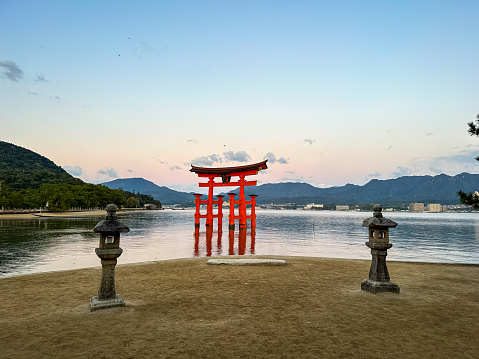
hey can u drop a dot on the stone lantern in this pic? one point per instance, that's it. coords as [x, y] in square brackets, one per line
[108, 252]
[379, 243]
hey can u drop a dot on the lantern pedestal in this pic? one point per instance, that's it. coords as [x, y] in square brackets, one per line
[107, 296]
[378, 273]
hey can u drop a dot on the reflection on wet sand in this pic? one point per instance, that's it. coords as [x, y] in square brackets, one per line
[237, 242]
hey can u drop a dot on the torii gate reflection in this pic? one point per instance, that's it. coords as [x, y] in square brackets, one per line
[226, 173]
[212, 248]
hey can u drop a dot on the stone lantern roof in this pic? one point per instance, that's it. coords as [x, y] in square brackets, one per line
[110, 223]
[377, 220]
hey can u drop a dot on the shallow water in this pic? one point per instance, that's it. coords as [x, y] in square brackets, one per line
[50, 244]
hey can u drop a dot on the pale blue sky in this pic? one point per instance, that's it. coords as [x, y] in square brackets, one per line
[332, 92]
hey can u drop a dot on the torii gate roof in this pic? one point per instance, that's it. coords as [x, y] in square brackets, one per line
[228, 171]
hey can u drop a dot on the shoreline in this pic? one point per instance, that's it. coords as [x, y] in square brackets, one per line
[33, 215]
[184, 308]
[236, 256]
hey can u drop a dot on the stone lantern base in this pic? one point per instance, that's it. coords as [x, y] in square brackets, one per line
[378, 273]
[374, 287]
[96, 303]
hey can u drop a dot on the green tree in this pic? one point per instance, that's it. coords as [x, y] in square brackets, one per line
[471, 199]
[132, 202]
[4, 196]
[63, 196]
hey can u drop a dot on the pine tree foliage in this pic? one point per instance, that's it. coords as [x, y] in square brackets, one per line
[471, 199]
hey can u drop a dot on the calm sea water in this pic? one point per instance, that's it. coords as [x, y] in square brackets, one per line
[50, 244]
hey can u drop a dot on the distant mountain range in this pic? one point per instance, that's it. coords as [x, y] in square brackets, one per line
[21, 168]
[427, 189]
[164, 194]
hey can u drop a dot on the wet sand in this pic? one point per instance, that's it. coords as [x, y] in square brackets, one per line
[310, 308]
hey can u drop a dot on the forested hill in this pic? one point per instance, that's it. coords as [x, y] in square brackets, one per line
[31, 181]
[21, 168]
[13, 156]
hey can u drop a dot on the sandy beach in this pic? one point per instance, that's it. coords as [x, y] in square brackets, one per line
[310, 308]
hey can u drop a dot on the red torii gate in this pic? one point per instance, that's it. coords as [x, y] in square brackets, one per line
[226, 173]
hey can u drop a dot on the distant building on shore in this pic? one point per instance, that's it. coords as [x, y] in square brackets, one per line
[416, 207]
[434, 207]
[342, 208]
[313, 206]
[150, 206]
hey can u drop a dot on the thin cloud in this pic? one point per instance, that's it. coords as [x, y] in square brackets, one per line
[301, 179]
[141, 49]
[462, 162]
[11, 71]
[435, 170]
[273, 159]
[402, 171]
[210, 160]
[110, 172]
[73, 170]
[33, 93]
[159, 161]
[374, 175]
[40, 78]
[168, 166]
[239, 156]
